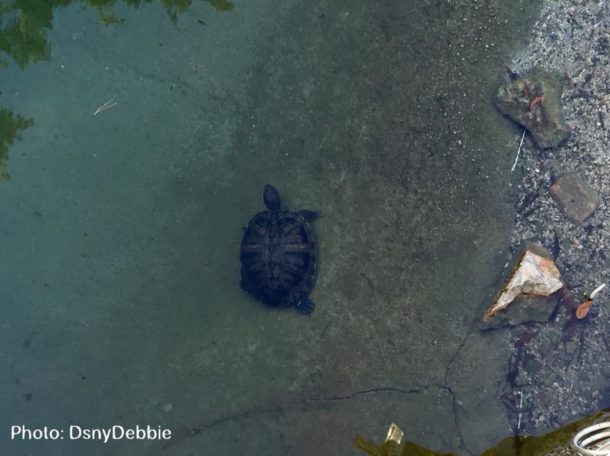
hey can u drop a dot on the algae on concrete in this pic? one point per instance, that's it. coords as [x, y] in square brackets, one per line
[554, 443]
[390, 448]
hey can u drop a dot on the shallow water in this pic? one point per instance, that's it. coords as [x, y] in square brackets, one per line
[120, 231]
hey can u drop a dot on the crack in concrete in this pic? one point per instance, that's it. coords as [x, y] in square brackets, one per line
[189, 432]
[454, 399]
[456, 423]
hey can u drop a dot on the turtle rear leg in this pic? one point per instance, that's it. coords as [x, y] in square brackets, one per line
[304, 305]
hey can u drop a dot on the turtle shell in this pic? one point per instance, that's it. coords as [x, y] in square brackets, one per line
[278, 257]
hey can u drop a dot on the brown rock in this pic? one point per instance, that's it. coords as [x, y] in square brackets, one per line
[575, 197]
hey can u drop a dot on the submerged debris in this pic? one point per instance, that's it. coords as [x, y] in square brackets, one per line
[554, 443]
[598, 290]
[535, 103]
[395, 434]
[391, 446]
[583, 309]
[533, 275]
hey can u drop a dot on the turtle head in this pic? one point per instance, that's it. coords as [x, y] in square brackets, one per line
[271, 197]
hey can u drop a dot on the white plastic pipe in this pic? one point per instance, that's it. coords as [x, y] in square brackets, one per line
[593, 440]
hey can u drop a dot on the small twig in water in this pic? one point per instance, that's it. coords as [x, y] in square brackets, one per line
[109, 104]
[518, 151]
[520, 407]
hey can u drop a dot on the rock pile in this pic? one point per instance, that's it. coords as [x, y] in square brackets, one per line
[560, 369]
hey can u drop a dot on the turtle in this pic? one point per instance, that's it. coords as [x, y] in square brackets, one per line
[278, 255]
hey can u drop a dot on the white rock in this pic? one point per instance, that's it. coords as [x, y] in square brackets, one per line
[533, 275]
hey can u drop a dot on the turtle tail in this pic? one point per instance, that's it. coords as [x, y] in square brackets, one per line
[305, 305]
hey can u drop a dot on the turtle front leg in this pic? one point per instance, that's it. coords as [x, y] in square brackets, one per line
[310, 216]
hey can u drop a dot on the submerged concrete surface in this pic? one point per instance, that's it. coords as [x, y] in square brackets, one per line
[120, 232]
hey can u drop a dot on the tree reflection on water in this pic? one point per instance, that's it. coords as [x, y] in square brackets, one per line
[23, 28]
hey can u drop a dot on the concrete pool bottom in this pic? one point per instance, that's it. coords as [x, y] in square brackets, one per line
[135, 306]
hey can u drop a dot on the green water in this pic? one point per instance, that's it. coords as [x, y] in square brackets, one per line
[120, 231]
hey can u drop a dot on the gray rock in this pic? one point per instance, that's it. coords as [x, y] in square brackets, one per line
[527, 309]
[530, 309]
[575, 197]
[535, 103]
[570, 347]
